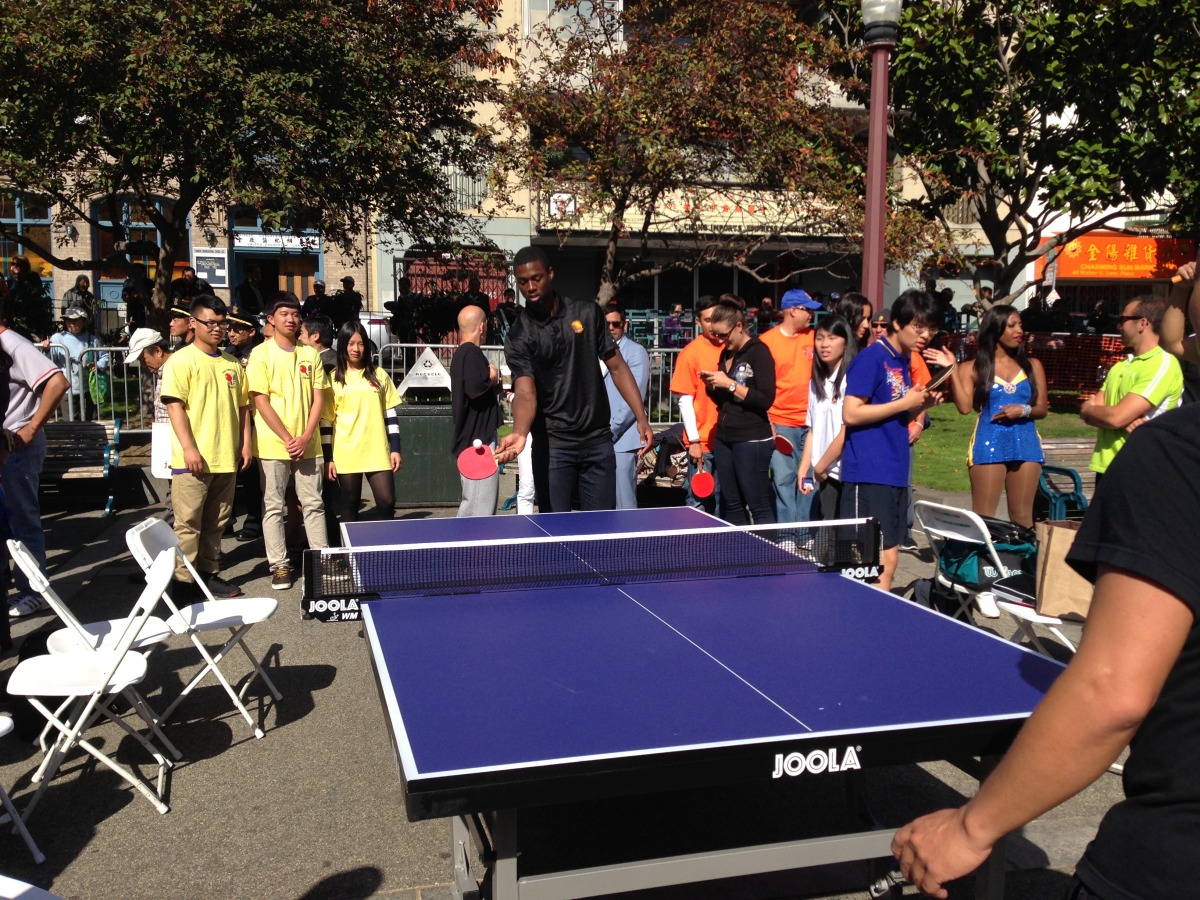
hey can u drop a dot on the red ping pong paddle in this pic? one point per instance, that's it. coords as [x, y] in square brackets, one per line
[477, 462]
[703, 484]
[784, 446]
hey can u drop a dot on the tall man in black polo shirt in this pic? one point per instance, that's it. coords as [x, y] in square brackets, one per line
[553, 350]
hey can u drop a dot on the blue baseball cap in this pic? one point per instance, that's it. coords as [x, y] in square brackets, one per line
[796, 297]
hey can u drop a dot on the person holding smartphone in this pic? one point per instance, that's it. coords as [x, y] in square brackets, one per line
[743, 389]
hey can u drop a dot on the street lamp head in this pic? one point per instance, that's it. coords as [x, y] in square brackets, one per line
[881, 19]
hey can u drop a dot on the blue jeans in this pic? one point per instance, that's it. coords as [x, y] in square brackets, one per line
[22, 473]
[708, 504]
[742, 467]
[562, 474]
[790, 504]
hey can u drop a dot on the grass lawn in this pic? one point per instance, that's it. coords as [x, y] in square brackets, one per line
[940, 457]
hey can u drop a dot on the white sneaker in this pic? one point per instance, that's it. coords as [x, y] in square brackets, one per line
[27, 605]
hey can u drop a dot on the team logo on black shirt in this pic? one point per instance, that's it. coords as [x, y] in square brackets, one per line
[577, 327]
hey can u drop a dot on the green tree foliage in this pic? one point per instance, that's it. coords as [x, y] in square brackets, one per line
[651, 117]
[1028, 108]
[329, 113]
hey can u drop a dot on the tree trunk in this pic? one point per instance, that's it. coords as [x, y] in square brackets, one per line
[157, 316]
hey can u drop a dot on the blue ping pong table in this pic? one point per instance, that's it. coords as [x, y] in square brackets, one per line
[508, 700]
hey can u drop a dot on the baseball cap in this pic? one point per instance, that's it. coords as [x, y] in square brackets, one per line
[796, 297]
[880, 319]
[141, 339]
[75, 312]
[318, 283]
[347, 278]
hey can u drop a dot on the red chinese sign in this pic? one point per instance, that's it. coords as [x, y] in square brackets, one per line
[1114, 256]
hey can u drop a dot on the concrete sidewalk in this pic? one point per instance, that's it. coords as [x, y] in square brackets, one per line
[314, 809]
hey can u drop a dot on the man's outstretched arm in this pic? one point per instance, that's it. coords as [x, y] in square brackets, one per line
[1134, 634]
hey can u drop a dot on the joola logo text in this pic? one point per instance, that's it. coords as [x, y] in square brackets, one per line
[338, 604]
[861, 572]
[816, 762]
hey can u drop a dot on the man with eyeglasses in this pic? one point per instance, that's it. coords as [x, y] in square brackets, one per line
[1145, 384]
[204, 390]
[626, 441]
[879, 327]
[287, 387]
[791, 346]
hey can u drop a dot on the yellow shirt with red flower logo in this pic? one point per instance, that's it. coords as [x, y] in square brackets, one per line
[357, 410]
[288, 379]
[212, 390]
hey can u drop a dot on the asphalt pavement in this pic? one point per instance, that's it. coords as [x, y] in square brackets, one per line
[314, 809]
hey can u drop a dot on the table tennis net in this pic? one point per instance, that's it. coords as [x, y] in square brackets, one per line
[564, 562]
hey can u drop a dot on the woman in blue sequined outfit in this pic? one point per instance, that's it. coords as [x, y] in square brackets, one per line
[1008, 390]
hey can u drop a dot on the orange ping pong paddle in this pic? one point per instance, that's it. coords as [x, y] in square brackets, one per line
[477, 462]
[784, 446]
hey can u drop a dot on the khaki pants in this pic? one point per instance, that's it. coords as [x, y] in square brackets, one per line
[202, 505]
[276, 473]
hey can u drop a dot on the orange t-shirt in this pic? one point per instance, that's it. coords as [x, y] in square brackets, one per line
[793, 371]
[701, 355]
[921, 375]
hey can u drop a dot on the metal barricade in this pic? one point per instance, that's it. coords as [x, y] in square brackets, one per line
[122, 397]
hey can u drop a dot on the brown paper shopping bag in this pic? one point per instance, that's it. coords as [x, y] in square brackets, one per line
[1061, 591]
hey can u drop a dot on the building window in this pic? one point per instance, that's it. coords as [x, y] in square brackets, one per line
[26, 216]
[538, 13]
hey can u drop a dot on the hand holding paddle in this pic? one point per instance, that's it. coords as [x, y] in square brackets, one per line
[703, 484]
[477, 462]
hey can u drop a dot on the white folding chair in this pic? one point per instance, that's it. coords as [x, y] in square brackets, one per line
[1017, 596]
[945, 523]
[100, 635]
[11, 815]
[148, 539]
[88, 679]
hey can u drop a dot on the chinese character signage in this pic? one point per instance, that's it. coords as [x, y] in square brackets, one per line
[1114, 256]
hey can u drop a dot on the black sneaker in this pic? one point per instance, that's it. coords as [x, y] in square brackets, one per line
[222, 589]
[281, 577]
[185, 592]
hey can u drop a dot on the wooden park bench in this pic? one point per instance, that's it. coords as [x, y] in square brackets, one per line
[83, 450]
[1073, 453]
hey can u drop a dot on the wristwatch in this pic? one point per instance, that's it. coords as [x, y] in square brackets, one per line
[733, 387]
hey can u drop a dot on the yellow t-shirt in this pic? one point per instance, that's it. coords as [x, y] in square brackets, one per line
[212, 390]
[288, 378]
[356, 409]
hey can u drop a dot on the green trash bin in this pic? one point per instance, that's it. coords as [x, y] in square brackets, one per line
[429, 476]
